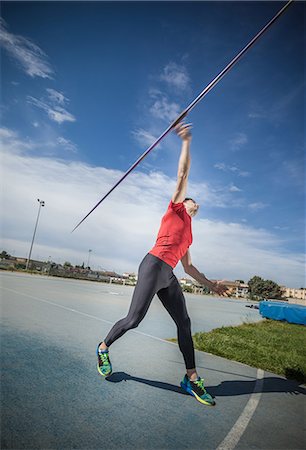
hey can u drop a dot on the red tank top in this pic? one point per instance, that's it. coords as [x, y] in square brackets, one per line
[174, 236]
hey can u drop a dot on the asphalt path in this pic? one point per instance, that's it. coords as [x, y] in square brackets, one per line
[53, 397]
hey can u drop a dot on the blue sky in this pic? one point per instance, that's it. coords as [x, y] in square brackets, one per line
[88, 86]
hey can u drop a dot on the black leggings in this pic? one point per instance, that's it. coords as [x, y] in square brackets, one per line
[156, 277]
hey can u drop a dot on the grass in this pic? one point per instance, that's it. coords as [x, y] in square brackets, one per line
[277, 347]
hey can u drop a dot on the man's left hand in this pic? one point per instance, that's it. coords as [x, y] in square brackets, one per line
[221, 289]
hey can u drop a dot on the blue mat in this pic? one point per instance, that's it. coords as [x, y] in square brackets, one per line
[283, 311]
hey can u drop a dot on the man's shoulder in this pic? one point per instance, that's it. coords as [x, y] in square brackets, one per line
[176, 208]
[176, 205]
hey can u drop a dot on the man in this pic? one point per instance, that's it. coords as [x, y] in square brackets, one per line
[155, 276]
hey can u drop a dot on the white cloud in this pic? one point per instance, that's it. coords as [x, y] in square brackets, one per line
[31, 57]
[257, 206]
[209, 196]
[57, 97]
[6, 133]
[238, 141]
[234, 169]
[160, 107]
[233, 188]
[143, 137]
[67, 144]
[55, 113]
[155, 93]
[163, 109]
[10, 141]
[280, 228]
[243, 173]
[124, 227]
[60, 115]
[239, 251]
[176, 75]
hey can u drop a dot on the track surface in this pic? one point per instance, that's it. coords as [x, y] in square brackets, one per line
[53, 397]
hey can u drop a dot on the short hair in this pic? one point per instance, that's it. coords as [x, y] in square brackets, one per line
[188, 198]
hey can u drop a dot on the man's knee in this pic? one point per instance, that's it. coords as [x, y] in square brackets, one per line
[133, 322]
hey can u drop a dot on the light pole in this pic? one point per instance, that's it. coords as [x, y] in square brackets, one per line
[49, 264]
[89, 251]
[41, 203]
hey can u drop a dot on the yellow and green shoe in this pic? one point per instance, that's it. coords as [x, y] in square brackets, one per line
[104, 365]
[196, 388]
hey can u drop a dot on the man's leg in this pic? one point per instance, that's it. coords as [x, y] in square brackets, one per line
[146, 287]
[143, 294]
[173, 300]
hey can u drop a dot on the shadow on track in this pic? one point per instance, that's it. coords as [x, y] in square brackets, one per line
[117, 377]
[224, 389]
[271, 384]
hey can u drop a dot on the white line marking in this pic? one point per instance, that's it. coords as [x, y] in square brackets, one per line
[85, 314]
[234, 435]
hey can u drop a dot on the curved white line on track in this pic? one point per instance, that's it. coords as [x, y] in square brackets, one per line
[234, 435]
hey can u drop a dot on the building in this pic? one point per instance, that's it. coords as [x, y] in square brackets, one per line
[297, 296]
[236, 288]
[242, 290]
[131, 278]
[198, 289]
[186, 282]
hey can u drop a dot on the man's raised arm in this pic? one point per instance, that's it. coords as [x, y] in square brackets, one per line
[183, 131]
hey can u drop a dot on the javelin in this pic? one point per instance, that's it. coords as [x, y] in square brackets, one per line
[191, 106]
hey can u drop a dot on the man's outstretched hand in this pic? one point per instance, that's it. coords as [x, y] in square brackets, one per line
[220, 289]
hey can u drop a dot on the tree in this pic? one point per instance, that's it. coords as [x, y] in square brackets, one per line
[206, 290]
[67, 264]
[272, 290]
[256, 287]
[260, 288]
[187, 288]
[4, 255]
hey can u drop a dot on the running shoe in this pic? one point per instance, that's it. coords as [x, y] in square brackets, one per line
[196, 388]
[104, 365]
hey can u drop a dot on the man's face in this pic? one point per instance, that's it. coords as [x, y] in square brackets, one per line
[191, 207]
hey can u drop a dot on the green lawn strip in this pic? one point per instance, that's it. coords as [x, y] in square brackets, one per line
[277, 347]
